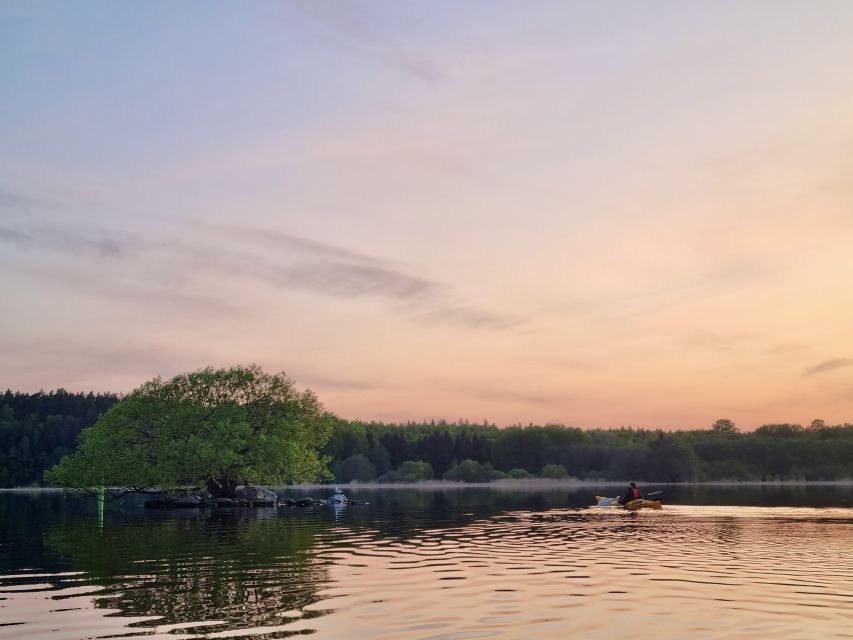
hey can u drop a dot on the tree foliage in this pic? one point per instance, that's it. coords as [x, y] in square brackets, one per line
[724, 425]
[36, 429]
[214, 427]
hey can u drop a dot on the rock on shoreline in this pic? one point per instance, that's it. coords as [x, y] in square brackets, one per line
[243, 497]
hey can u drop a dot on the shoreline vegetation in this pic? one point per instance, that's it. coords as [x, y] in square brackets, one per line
[506, 484]
[39, 430]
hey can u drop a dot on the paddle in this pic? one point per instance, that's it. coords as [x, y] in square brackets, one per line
[653, 493]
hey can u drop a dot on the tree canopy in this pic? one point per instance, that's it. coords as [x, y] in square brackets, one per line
[37, 429]
[215, 427]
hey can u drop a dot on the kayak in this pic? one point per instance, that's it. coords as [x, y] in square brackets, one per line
[633, 505]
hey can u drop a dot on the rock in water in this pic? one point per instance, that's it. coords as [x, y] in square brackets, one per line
[186, 502]
[256, 496]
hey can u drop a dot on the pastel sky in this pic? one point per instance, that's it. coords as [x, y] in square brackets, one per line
[598, 214]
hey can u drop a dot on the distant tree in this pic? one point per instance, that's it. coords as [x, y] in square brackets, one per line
[356, 467]
[380, 459]
[50, 422]
[216, 427]
[724, 425]
[347, 439]
[436, 449]
[780, 430]
[414, 470]
[553, 471]
[817, 424]
[472, 471]
[671, 459]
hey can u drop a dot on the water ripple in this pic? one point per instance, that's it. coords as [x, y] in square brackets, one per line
[698, 572]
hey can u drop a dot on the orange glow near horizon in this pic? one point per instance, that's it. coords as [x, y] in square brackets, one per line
[584, 215]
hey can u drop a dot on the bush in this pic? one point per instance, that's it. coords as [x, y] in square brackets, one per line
[553, 471]
[519, 474]
[472, 471]
[391, 476]
[356, 467]
[414, 470]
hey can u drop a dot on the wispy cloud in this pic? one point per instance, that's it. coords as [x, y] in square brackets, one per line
[719, 341]
[351, 281]
[357, 32]
[335, 271]
[148, 294]
[272, 257]
[64, 238]
[284, 241]
[469, 317]
[828, 365]
[14, 200]
[58, 362]
[335, 384]
[512, 396]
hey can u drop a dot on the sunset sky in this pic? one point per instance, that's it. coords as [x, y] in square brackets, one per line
[597, 214]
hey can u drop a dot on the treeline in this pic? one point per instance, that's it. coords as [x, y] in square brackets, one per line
[36, 430]
[478, 453]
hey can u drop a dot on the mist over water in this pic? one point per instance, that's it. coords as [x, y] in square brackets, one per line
[774, 562]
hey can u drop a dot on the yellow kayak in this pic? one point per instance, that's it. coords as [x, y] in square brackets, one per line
[633, 505]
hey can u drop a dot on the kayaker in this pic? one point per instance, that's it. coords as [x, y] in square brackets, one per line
[633, 493]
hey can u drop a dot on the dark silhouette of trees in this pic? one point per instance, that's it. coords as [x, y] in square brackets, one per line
[36, 430]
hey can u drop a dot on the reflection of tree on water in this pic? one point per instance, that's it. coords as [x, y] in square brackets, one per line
[239, 568]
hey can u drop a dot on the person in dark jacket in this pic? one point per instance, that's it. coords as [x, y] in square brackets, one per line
[633, 493]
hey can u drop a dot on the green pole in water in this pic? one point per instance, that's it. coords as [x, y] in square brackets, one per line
[101, 506]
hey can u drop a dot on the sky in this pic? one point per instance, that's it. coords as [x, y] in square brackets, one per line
[593, 214]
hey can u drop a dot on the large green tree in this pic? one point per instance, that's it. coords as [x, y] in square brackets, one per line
[215, 427]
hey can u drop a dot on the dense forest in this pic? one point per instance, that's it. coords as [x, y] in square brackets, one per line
[36, 430]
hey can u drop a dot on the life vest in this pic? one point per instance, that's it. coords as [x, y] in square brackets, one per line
[635, 493]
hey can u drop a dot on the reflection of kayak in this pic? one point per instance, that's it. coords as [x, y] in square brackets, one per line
[633, 505]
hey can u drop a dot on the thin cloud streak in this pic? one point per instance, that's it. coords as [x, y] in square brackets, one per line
[279, 240]
[321, 268]
[14, 200]
[351, 281]
[354, 33]
[63, 238]
[467, 317]
[828, 365]
[512, 397]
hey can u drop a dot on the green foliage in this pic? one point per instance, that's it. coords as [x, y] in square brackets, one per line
[553, 471]
[473, 471]
[779, 430]
[414, 470]
[38, 429]
[356, 467]
[724, 425]
[671, 459]
[220, 428]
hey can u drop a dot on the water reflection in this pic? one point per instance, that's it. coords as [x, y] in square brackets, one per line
[246, 566]
[431, 564]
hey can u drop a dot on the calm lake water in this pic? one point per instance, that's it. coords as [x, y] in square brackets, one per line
[769, 562]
